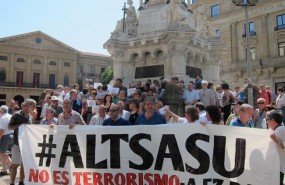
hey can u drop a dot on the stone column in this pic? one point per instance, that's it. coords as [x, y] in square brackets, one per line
[118, 64]
[234, 43]
[178, 59]
[73, 75]
[28, 73]
[60, 72]
[264, 37]
[11, 74]
[45, 77]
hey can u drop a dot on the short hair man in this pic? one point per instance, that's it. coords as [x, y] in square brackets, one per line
[115, 119]
[150, 117]
[99, 118]
[6, 139]
[22, 117]
[245, 117]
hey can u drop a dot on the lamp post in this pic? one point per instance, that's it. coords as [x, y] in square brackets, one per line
[124, 15]
[246, 4]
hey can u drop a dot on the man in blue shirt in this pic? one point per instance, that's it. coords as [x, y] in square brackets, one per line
[245, 115]
[115, 119]
[77, 104]
[150, 117]
[190, 96]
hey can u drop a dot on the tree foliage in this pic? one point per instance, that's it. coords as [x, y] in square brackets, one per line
[107, 76]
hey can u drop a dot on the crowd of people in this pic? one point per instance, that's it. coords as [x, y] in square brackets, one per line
[203, 103]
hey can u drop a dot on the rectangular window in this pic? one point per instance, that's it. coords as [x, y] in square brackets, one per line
[281, 48]
[218, 33]
[215, 10]
[3, 96]
[280, 22]
[66, 64]
[103, 70]
[52, 84]
[4, 58]
[36, 80]
[251, 29]
[92, 69]
[20, 78]
[79, 70]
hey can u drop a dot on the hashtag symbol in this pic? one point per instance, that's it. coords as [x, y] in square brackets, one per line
[43, 153]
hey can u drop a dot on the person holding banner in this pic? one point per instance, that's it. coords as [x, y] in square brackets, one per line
[274, 120]
[150, 117]
[99, 118]
[19, 118]
[69, 116]
[50, 118]
[115, 119]
[245, 117]
[191, 115]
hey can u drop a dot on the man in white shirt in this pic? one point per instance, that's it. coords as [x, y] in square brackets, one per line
[123, 113]
[202, 113]
[99, 118]
[190, 96]
[60, 91]
[6, 139]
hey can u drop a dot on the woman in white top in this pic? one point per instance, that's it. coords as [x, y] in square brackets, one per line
[191, 115]
[274, 121]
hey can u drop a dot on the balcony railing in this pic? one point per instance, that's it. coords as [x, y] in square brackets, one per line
[252, 33]
[279, 27]
[24, 85]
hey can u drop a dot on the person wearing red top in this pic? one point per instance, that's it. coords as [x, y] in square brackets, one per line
[267, 95]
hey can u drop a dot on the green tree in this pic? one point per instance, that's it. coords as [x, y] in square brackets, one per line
[107, 76]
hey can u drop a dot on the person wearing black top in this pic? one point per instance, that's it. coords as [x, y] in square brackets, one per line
[115, 119]
[134, 108]
[19, 118]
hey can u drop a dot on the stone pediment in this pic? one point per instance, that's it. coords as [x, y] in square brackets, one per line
[37, 40]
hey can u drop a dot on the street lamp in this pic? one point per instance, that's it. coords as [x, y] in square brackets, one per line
[245, 4]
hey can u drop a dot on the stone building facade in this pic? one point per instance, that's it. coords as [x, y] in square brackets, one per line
[161, 40]
[32, 62]
[267, 39]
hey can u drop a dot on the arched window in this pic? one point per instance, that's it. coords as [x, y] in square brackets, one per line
[2, 75]
[135, 58]
[21, 60]
[36, 62]
[52, 63]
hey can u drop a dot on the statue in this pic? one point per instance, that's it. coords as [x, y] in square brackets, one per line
[177, 13]
[204, 26]
[131, 19]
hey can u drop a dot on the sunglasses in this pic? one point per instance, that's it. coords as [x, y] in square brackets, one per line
[113, 110]
[260, 103]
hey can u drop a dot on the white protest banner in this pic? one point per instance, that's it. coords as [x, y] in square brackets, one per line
[137, 155]
[131, 91]
[96, 85]
[91, 103]
[113, 90]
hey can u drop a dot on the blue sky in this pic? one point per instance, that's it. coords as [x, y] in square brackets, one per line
[84, 25]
